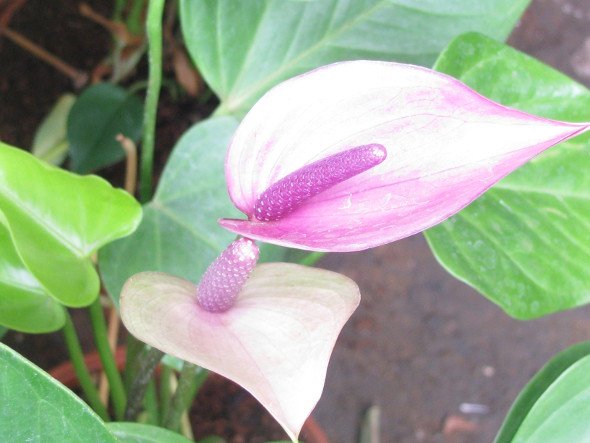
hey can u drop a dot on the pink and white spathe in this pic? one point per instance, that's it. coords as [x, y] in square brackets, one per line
[445, 146]
[270, 328]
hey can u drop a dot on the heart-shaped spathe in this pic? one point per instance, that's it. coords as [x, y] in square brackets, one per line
[275, 341]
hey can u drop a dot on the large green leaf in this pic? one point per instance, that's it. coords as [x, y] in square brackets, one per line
[24, 304]
[561, 413]
[101, 113]
[525, 244]
[537, 386]
[36, 408]
[179, 233]
[142, 433]
[58, 219]
[245, 48]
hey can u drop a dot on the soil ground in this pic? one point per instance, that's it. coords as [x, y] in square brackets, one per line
[421, 344]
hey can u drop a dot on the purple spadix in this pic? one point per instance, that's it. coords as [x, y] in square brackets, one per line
[224, 278]
[290, 192]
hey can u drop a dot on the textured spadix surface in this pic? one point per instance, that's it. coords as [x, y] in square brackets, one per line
[445, 145]
[275, 341]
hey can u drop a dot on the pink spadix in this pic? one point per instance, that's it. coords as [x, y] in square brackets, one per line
[289, 193]
[225, 277]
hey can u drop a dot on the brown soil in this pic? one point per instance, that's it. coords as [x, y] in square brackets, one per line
[224, 409]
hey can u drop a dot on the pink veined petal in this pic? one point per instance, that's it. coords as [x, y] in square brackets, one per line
[275, 341]
[445, 145]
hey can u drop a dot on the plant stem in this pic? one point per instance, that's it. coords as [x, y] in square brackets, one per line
[130, 163]
[145, 363]
[154, 34]
[77, 358]
[311, 258]
[150, 402]
[191, 379]
[134, 16]
[134, 348]
[114, 324]
[165, 391]
[108, 361]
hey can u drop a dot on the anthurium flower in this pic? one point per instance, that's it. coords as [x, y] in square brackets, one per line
[441, 146]
[270, 328]
[343, 158]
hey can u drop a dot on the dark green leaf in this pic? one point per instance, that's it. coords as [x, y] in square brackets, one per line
[141, 433]
[36, 408]
[244, 48]
[101, 113]
[524, 244]
[537, 386]
[57, 220]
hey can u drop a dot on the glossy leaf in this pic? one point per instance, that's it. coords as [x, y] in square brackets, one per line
[244, 48]
[142, 433]
[50, 142]
[179, 232]
[537, 386]
[101, 113]
[561, 412]
[36, 408]
[275, 341]
[445, 144]
[58, 219]
[525, 243]
[24, 304]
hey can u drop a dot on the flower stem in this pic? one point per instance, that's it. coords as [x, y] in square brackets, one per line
[191, 379]
[108, 361]
[142, 371]
[134, 348]
[165, 391]
[151, 403]
[77, 358]
[154, 34]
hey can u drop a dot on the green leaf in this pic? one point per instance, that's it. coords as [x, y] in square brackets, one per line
[36, 408]
[561, 412]
[101, 113]
[24, 304]
[3, 332]
[537, 386]
[179, 232]
[523, 244]
[244, 48]
[141, 433]
[58, 219]
[50, 142]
